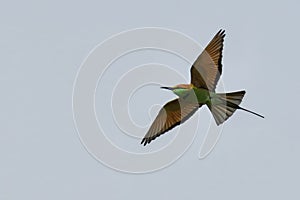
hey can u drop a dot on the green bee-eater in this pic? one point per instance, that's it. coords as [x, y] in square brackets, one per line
[205, 73]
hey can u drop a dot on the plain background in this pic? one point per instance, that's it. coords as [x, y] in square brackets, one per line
[42, 45]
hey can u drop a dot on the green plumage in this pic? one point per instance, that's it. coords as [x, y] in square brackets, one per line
[205, 73]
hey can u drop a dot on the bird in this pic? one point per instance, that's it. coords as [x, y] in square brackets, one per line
[205, 74]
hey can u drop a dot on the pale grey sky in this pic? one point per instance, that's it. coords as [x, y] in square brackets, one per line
[43, 45]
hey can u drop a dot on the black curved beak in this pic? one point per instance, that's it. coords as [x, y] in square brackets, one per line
[167, 88]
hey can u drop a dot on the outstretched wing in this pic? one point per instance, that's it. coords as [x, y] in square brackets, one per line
[207, 69]
[172, 114]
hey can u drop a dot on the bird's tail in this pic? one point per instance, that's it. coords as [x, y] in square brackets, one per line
[223, 105]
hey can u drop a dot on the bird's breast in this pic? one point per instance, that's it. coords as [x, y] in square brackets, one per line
[202, 95]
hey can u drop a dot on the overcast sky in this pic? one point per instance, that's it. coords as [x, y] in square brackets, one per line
[42, 47]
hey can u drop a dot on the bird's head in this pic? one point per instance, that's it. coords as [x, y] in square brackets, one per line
[179, 90]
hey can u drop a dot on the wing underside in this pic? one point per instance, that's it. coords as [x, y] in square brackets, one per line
[207, 69]
[172, 114]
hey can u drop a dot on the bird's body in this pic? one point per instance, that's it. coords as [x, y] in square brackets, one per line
[205, 73]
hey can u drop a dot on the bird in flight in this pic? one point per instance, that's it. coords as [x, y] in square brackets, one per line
[205, 73]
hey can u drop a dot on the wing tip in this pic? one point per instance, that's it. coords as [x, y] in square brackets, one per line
[146, 141]
[221, 32]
